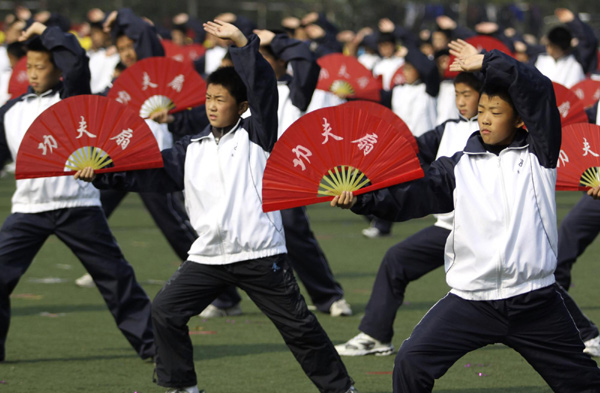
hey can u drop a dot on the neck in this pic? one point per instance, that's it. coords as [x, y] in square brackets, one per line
[219, 132]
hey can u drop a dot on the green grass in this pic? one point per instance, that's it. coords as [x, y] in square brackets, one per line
[79, 348]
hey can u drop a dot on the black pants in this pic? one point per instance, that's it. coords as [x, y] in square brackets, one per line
[85, 231]
[168, 213]
[411, 259]
[536, 324]
[307, 260]
[577, 230]
[271, 285]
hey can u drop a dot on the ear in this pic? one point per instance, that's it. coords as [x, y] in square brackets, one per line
[519, 123]
[242, 107]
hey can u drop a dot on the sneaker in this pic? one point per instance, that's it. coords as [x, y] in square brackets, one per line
[364, 344]
[215, 312]
[191, 389]
[352, 390]
[85, 281]
[340, 308]
[592, 347]
[373, 232]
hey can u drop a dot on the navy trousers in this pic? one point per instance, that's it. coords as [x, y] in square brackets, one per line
[85, 231]
[536, 324]
[270, 283]
[577, 230]
[168, 212]
[307, 260]
[411, 259]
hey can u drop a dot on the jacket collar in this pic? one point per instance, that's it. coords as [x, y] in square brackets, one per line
[32, 94]
[475, 143]
[206, 133]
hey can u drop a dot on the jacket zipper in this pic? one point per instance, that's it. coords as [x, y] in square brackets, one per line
[506, 221]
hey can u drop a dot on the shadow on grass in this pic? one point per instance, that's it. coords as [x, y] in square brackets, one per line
[211, 352]
[56, 308]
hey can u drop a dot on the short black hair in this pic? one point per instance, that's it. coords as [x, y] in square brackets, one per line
[561, 37]
[470, 79]
[386, 37]
[35, 45]
[230, 80]
[501, 92]
[17, 49]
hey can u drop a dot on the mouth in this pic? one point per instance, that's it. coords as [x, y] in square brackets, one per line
[485, 132]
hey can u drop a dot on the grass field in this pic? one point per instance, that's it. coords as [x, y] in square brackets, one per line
[63, 339]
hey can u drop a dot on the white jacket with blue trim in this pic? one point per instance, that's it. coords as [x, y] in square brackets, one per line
[504, 239]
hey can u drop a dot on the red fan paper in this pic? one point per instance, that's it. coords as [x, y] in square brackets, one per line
[388, 116]
[588, 91]
[578, 164]
[570, 107]
[18, 82]
[399, 78]
[86, 131]
[334, 149]
[480, 42]
[182, 52]
[159, 83]
[347, 77]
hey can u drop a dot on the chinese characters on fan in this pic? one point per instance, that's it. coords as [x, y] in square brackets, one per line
[49, 143]
[123, 138]
[564, 109]
[563, 158]
[83, 129]
[365, 144]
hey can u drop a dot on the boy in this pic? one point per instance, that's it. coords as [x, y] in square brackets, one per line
[61, 205]
[501, 254]
[221, 170]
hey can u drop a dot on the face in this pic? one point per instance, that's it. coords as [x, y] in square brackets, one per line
[126, 49]
[439, 40]
[554, 51]
[178, 37]
[221, 107]
[99, 38]
[386, 49]
[498, 122]
[467, 100]
[42, 74]
[410, 73]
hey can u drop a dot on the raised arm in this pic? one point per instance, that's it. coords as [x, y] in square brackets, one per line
[143, 34]
[586, 51]
[304, 67]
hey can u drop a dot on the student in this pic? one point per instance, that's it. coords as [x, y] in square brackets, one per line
[221, 170]
[135, 40]
[304, 253]
[103, 57]
[386, 46]
[562, 63]
[61, 205]
[501, 254]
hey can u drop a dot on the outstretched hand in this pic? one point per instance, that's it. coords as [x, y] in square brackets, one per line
[594, 192]
[467, 56]
[86, 174]
[265, 36]
[226, 31]
[345, 200]
[35, 29]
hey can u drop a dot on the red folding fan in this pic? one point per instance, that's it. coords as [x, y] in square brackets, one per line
[336, 149]
[399, 78]
[578, 164]
[388, 116]
[347, 77]
[182, 52]
[18, 82]
[588, 91]
[570, 107]
[480, 42]
[159, 83]
[86, 131]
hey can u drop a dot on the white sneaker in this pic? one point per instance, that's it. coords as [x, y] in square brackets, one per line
[373, 232]
[340, 308]
[85, 281]
[215, 312]
[592, 347]
[190, 389]
[364, 344]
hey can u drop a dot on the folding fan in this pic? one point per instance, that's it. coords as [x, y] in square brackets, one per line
[570, 107]
[182, 52]
[18, 82]
[588, 91]
[398, 78]
[388, 116]
[347, 77]
[578, 164]
[158, 83]
[480, 42]
[334, 149]
[86, 131]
